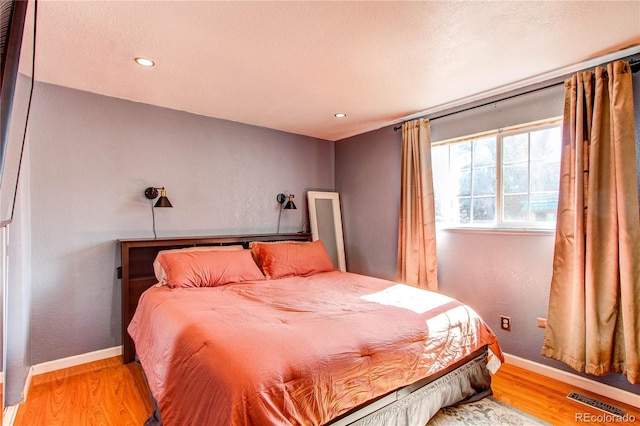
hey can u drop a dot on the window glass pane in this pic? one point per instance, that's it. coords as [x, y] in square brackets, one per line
[484, 209]
[515, 148]
[516, 208]
[440, 165]
[461, 156]
[484, 152]
[546, 144]
[516, 178]
[463, 183]
[441, 210]
[463, 208]
[468, 179]
[544, 207]
[484, 181]
[545, 176]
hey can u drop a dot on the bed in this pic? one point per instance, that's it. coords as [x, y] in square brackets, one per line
[254, 330]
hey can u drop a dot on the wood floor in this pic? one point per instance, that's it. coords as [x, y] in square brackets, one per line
[104, 392]
[546, 399]
[109, 393]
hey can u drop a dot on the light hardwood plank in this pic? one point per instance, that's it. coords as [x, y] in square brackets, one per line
[109, 393]
[104, 392]
[546, 398]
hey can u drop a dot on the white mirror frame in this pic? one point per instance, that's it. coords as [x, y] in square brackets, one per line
[333, 229]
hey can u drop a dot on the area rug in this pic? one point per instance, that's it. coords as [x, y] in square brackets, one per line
[487, 411]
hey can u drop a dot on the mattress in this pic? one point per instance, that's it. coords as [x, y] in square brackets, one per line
[299, 350]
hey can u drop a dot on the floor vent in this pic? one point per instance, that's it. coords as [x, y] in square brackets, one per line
[603, 406]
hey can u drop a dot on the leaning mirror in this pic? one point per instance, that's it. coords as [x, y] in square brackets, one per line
[326, 224]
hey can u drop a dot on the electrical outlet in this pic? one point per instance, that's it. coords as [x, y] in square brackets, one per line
[505, 323]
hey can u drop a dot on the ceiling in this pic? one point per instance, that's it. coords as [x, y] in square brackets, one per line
[291, 65]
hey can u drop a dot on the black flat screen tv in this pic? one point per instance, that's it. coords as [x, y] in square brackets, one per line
[16, 83]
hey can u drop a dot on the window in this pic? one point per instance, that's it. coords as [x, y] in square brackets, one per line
[503, 179]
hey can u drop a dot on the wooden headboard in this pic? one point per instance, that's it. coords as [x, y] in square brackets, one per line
[137, 268]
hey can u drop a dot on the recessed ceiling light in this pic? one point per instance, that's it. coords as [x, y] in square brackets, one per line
[340, 115]
[145, 62]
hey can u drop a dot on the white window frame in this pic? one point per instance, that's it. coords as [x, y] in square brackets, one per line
[499, 224]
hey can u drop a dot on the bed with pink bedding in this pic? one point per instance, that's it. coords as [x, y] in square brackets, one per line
[293, 342]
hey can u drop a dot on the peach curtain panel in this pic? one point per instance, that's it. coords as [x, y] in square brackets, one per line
[593, 322]
[417, 263]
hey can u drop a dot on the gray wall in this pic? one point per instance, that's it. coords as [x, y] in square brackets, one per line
[496, 273]
[91, 158]
[17, 299]
[18, 356]
[368, 180]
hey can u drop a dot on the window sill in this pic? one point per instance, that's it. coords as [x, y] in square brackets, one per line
[497, 231]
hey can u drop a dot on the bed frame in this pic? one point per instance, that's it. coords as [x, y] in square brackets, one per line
[137, 273]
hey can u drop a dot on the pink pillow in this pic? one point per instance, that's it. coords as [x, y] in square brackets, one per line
[209, 268]
[287, 259]
[161, 276]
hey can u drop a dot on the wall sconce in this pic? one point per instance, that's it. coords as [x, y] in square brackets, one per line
[290, 205]
[151, 193]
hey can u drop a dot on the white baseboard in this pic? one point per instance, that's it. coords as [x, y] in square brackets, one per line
[9, 414]
[72, 361]
[574, 380]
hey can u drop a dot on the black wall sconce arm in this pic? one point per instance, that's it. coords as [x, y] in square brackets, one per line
[152, 193]
[290, 205]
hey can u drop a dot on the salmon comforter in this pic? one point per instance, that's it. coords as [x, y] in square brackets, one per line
[300, 350]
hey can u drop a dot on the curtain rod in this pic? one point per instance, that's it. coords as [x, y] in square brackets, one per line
[634, 64]
[395, 129]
